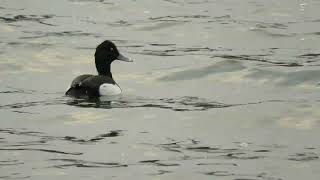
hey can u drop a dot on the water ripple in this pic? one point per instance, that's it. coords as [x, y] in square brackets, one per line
[41, 34]
[86, 164]
[257, 58]
[41, 150]
[33, 18]
[307, 156]
[45, 138]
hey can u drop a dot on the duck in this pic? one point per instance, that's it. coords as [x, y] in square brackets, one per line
[103, 84]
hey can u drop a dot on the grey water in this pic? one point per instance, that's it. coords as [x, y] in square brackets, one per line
[217, 90]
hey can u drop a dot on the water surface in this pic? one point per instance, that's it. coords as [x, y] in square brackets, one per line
[218, 89]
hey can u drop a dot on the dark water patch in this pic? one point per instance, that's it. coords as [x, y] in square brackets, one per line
[175, 146]
[14, 176]
[309, 55]
[201, 148]
[14, 43]
[41, 34]
[158, 163]
[29, 44]
[307, 156]
[82, 140]
[32, 18]
[149, 161]
[240, 176]
[219, 173]
[262, 150]
[15, 92]
[311, 34]
[208, 149]
[41, 150]
[271, 25]
[111, 134]
[23, 112]
[225, 19]
[157, 52]
[217, 164]
[86, 164]
[10, 163]
[43, 138]
[120, 23]
[89, 21]
[161, 44]
[272, 34]
[165, 164]
[266, 176]
[257, 58]
[70, 139]
[242, 156]
[17, 132]
[179, 17]
[274, 30]
[9, 92]
[310, 148]
[161, 172]
[106, 135]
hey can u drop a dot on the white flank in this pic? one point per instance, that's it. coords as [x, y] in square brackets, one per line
[109, 89]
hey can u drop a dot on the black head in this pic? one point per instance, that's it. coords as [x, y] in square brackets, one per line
[105, 54]
[108, 51]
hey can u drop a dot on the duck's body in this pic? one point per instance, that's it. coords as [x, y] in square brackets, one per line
[93, 86]
[88, 85]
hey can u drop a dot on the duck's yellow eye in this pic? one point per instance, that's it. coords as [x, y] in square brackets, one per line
[111, 49]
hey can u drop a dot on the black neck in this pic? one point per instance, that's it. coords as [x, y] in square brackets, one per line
[103, 67]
